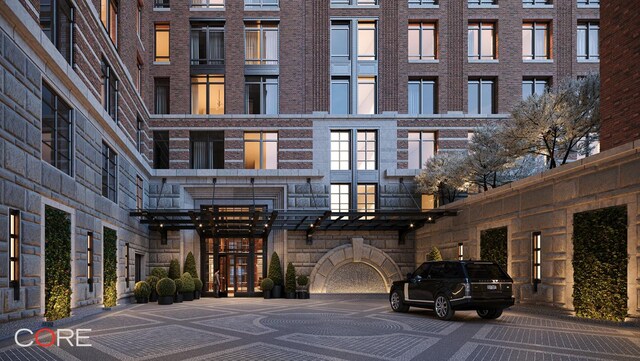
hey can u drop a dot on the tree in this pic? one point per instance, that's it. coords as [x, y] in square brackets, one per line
[290, 284]
[275, 270]
[434, 255]
[190, 265]
[174, 269]
[444, 176]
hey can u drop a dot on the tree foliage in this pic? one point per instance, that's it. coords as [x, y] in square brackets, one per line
[434, 255]
[190, 265]
[445, 176]
[57, 256]
[290, 278]
[174, 270]
[275, 270]
[110, 240]
[493, 246]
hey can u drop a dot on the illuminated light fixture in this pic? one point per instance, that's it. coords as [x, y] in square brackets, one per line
[537, 259]
[311, 226]
[200, 225]
[429, 219]
[460, 251]
[90, 260]
[161, 225]
[14, 252]
[411, 225]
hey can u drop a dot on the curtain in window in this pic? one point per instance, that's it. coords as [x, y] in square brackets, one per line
[271, 46]
[195, 46]
[216, 47]
[271, 98]
[162, 100]
[414, 98]
[593, 41]
[252, 46]
[200, 154]
[582, 41]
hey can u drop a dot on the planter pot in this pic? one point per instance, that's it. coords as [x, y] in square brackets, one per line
[266, 294]
[177, 298]
[300, 295]
[142, 300]
[196, 295]
[290, 295]
[187, 296]
[276, 292]
[153, 297]
[305, 295]
[165, 300]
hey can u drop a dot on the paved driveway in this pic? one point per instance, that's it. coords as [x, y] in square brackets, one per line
[331, 328]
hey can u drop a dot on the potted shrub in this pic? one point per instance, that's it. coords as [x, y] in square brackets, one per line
[198, 284]
[290, 283]
[188, 286]
[275, 273]
[166, 288]
[159, 272]
[267, 286]
[190, 265]
[152, 281]
[142, 291]
[174, 269]
[177, 297]
[303, 284]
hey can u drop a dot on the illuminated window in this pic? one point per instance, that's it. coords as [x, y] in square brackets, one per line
[340, 150]
[366, 40]
[57, 22]
[588, 44]
[537, 260]
[482, 44]
[110, 90]
[207, 45]
[423, 41]
[366, 198]
[261, 150]
[14, 252]
[162, 43]
[207, 94]
[90, 260]
[340, 198]
[422, 147]
[207, 4]
[366, 150]
[261, 95]
[535, 41]
[422, 96]
[57, 130]
[109, 18]
[109, 173]
[139, 193]
[261, 43]
[367, 100]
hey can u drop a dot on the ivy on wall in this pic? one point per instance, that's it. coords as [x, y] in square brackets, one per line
[57, 264]
[493, 246]
[600, 263]
[110, 240]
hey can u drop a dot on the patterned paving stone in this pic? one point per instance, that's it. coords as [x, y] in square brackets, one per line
[421, 323]
[242, 323]
[330, 324]
[539, 322]
[476, 352]
[26, 354]
[264, 352]
[117, 322]
[187, 314]
[386, 347]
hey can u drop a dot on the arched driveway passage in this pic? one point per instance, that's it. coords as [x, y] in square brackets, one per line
[356, 252]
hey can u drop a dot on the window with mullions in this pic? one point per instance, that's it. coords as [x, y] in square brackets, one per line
[261, 95]
[56, 21]
[366, 198]
[340, 150]
[482, 43]
[588, 3]
[354, 2]
[422, 147]
[261, 150]
[207, 4]
[422, 96]
[537, 259]
[57, 130]
[162, 41]
[588, 45]
[340, 198]
[423, 38]
[139, 125]
[264, 4]
[261, 43]
[367, 97]
[481, 96]
[366, 149]
[423, 3]
[535, 41]
[109, 18]
[482, 2]
[109, 90]
[367, 40]
[207, 94]
[207, 44]
[161, 149]
[340, 40]
[531, 86]
[139, 192]
[14, 251]
[109, 173]
[161, 4]
[207, 150]
[537, 2]
[340, 95]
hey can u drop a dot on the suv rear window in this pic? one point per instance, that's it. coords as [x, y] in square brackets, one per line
[446, 270]
[485, 271]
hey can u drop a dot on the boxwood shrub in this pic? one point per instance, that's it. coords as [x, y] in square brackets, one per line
[434, 255]
[187, 283]
[159, 272]
[266, 284]
[142, 289]
[179, 285]
[198, 283]
[275, 270]
[174, 269]
[190, 265]
[166, 287]
[290, 278]
[152, 281]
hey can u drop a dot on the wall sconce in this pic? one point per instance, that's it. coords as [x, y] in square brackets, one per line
[90, 260]
[460, 251]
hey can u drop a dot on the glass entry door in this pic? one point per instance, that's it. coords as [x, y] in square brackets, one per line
[241, 266]
[238, 275]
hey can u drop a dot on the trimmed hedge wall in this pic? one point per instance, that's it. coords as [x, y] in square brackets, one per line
[57, 264]
[493, 246]
[110, 240]
[600, 262]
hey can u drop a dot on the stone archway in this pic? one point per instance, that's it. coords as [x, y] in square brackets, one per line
[356, 252]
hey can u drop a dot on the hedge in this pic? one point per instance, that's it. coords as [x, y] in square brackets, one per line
[57, 264]
[493, 246]
[600, 262]
[110, 267]
[159, 272]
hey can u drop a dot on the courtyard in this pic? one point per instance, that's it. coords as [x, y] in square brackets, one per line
[330, 328]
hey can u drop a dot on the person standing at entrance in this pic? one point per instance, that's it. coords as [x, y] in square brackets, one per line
[216, 283]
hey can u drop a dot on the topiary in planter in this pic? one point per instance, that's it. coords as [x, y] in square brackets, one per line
[165, 288]
[434, 255]
[174, 269]
[267, 286]
[303, 281]
[159, 272]
[188, 286]
[290, 285]
[142, 291]
[198, 283]
[179, 287]
[275, 271]
[190, 265]
[152, 281]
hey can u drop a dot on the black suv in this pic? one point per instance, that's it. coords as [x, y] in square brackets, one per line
[446, 286]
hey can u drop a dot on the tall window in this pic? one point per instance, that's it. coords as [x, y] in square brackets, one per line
[139, 193]
[531, 86]
[366, 198]
[422, 96]
[422, 147]
[366, 40]
[207, 150]
[109, 18]
[207, 44]
[109, 173]
[340, 95]
[261, 95]
[161, 149]
[249, 4]
[588, 45]
[138, 75]
[261, 43]
[537, 258]
[367, 100]
[207, 94]
[14, 251]
[161, 4]
[161, 95]
[340, 198]
[481, 96]
[340, 40]
[139, 125]
[423, 40]
[56, 21]
[366, 149]
[57, 130]
[535, 41]
[139, 21]
[586, 3]
[261, 150]
[207, 4]
[340, 150]
[162, 42]
[482, 43]
[109, 90]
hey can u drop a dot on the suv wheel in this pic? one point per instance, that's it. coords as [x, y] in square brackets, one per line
[490, 314]
[443, 308]
[396, 302]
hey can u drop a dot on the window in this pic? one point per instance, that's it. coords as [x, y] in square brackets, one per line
[422, 147]
[110, 90]
[423, 41]
[588, 3]
[138, 75]
[531, 86]
[537, 2]
[139, 21]
[162, 95]
[14, 251]
[207, 150]
[366, 40]
[366, 198]
[422, 96]
[207, 94]
[354, 2]
[261, 4]
[367, 95]
[109, 18]
[90, 260]
[139, 125]
[162, 43]
[340, 41]
[482, 2]
[588, 46]
[139, 193]
[340, 150]
[56, 21]
[57, 131]
[207, 45]
[138, 266]
[160, 4]
[482, 44]
[161, 149]
[340, 198]
[261, 44]
[261, 95]
[207, 4]
[366, 150]
[340, 95]
[261, 150]
[481, 97]
[416, 3]
[109, 176]
[537, 260]
[535, 41]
